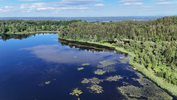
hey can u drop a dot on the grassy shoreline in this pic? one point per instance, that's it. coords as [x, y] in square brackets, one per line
[33, 32]
[158, 80]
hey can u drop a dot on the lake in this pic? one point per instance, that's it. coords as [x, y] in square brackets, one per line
[43, 67]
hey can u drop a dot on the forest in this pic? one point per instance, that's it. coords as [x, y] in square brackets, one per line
[153, 42]
[26, 26]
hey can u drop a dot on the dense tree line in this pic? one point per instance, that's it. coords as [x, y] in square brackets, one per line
[16, 26]
[154, 42]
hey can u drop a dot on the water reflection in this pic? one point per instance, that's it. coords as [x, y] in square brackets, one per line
[55, 53]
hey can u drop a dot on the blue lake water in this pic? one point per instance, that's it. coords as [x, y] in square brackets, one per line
[42, 67]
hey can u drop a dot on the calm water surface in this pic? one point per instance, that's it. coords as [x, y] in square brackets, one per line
[41, 67]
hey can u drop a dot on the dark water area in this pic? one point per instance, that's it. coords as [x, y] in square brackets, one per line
[43, 67]
[89, 19]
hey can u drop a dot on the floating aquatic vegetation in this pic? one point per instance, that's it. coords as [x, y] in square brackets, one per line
[76, 92]
[148, 90]
[114, 78]
[96, 89]
[109, 69]
[48, 82]
[85, 64]
[85, 80]
[124, 59]
[99, 72]
[104, 70]
[93, 80]
[81, 68]
[42, 84]
[106, 63]
[125, 83]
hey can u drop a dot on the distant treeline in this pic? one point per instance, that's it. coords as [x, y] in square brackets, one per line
[17, 26]
[154, 42]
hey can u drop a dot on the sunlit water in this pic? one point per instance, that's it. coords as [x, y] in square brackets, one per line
[42, 67]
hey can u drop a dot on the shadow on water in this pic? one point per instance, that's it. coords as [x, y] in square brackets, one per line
[42, 74]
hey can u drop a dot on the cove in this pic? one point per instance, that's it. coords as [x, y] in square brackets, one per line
[43, 67]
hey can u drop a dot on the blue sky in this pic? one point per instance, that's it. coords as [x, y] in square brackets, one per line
[87, 8]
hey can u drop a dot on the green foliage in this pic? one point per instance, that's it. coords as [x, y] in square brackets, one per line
[16, 26]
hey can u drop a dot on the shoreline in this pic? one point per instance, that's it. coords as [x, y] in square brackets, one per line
[172, 89]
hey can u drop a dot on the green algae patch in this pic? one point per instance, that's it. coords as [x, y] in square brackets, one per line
[147, 89]
[85, 64]
[81, 68]
[106, 63]
[76, 92]
[114, 78]
[99, 72]
[93, 80]
[96, 89]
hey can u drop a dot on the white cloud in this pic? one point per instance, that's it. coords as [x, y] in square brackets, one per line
[7, 7]
[99, 5]
[52, 6]
[29, 0]
[133, 4]
[161, 0]
[129, 0]
[166, 2]
[163, 3]
[45, 8]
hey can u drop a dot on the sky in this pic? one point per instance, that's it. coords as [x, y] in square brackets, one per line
[87, 8]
